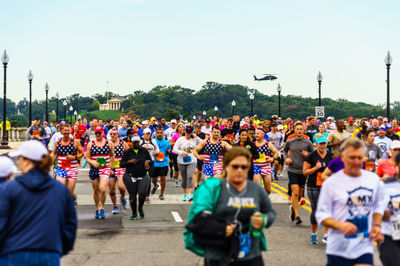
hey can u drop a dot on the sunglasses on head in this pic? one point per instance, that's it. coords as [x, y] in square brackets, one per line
[236, 166]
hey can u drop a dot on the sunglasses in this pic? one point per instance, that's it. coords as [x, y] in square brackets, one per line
[243, 166]
[98, 133]
[113, 134]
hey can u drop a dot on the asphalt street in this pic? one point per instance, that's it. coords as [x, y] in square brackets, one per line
[158, 238]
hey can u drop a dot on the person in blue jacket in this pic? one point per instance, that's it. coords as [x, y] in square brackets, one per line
[7, 168]
[37, 216]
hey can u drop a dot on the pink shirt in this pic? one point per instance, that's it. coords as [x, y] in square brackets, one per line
[386, 168]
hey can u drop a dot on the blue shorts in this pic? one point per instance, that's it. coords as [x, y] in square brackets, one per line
[211, 169]
[61, 172]
[337, 260]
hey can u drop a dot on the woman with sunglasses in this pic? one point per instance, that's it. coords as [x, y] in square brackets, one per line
[236, 210]
[187, 162]
[387, 168]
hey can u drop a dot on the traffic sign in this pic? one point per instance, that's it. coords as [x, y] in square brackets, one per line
[319, 111]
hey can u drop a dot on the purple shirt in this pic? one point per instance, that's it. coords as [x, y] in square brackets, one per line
[336, 165]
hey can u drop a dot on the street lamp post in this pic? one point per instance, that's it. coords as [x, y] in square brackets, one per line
[4, 140]
[204, 113]
[319, 78]
[57, 97]
[388, 62]
[65, 110]
[233, 107]
[75, 113]
[46, 88]
[30, 78]
[216, 110]
[279, 89]
[70, 114]
[251, 103]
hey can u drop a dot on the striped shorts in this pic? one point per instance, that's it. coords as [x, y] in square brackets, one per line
[118, 173]
[211, 169]
[71, 173]
[95, 173]
[262, 170]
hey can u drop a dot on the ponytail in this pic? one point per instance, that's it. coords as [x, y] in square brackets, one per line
[44, 165]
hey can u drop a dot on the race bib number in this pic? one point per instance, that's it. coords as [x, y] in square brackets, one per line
[214, 158]
[261, 159]
[319, 179]
[187, 159]
[102, 161]
[92, 137]
[369, 166]
[160, 157]
[36, 133]
[395, 221]
[66, 165]
[116, 164]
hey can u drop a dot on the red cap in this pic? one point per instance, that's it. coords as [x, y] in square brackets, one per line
[351, 118]
[98, 129]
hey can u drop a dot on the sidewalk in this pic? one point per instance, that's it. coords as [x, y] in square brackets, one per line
[13, 146]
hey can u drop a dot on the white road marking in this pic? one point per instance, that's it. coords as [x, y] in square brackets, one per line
[177, 217]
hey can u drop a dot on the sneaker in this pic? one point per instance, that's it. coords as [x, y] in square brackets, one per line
[97, 215]
[141, 212]
[147, 200]
[176, 183]
[325, 238]
[184, 197]
[102, 214]
[115, 210]
[291, 213]
[298, 220]
[190, 197]
[124, 204]
[154, 189]
[314, 239]
[134, 216]
[302, 201]
[161, 197]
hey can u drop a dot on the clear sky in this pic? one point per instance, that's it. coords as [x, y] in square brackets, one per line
[78, 45]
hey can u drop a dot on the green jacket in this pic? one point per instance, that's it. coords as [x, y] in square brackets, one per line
[205, 199]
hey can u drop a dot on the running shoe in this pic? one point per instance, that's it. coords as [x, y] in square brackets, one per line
[325, 238]
[161, 197]
[141, 212]
[102, 214]
[298, 220]
[154, 189]
[124, 204]
[84, 163]
[184, 197]
[314, 240]
[97, 215]
[176, 183]
[190, 197]
[291, 213]
[302, 201]
[115, 210]
[147, 200]
[134, 216]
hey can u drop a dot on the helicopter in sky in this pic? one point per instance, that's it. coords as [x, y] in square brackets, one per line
[271, 77]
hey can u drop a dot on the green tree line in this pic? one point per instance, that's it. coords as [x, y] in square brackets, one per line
[171, 101]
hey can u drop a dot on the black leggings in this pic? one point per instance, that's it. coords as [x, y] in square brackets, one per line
[135, 186]
[389, 251]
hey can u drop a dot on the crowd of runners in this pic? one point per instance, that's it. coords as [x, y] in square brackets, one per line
[348, 170]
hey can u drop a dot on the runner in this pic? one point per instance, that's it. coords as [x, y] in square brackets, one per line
[160, 162]
[245, 142]
[351, 205]
[179, 133]
[136, 161]
[207, 128]
[151, 146]
[100, 155]
[373, 154]
[383, 142]
[187, 163]
[336, 137]
[387, 168]
[313, 167]
[389, 249]
[68, 151]
[267, 153]
[120, 147]
[299, 147]
[37, 131]
[7, 169]
[277, 139]
[213, 153]
[199, 167]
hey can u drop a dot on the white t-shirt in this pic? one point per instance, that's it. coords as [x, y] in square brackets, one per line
[384, 144]
[169, 132]
[206, 130]
[150, 146]
[391, 191]
[187, 145]
[352, 199]
[277, 138]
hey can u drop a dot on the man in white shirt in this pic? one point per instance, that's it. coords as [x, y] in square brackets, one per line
[383, 142]
[351, 205]
[207, 128]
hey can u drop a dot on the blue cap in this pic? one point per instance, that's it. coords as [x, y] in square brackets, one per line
[388, 126]
[321, 140]
[382, 127]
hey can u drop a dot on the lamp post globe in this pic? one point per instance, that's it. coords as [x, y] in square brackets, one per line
[4, 140]
[204, 113]
[75, 113]
[65, 110]
[70, 114]
[233, 107]
[251, 103]
[388, 62]
[216, 110]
